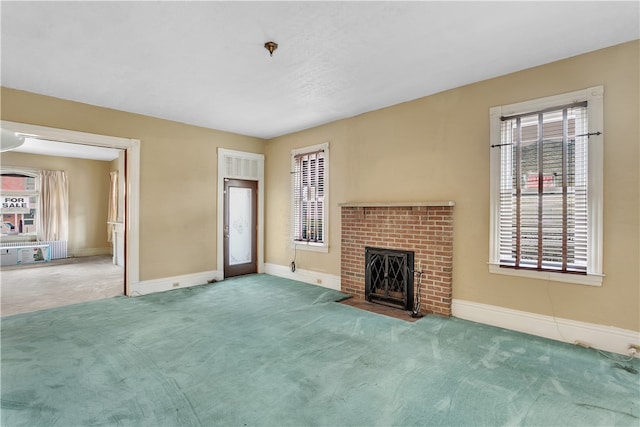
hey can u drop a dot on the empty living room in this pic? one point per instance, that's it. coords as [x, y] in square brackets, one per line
[340, 213]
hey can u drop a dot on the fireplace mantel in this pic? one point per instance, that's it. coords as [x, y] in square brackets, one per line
[394, 204]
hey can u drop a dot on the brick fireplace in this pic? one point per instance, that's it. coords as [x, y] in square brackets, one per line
[426, 228]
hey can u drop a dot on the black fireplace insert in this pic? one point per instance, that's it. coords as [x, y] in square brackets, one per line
[389, 277]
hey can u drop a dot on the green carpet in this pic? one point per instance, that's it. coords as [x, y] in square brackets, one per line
[264, 351]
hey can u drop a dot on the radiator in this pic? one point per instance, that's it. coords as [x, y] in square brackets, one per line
[57, 248]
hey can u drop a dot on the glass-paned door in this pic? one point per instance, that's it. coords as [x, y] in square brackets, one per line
[240, 227]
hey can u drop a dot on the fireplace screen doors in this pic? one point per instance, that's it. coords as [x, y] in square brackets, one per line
[389, 277]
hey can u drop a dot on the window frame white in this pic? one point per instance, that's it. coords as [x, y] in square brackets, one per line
[30, 173]
[594, 97]
[311, 246]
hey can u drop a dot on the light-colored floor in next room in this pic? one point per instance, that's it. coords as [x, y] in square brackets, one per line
[26, 288]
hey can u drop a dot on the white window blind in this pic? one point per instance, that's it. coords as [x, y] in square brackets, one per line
[543, 201]
[309, 213]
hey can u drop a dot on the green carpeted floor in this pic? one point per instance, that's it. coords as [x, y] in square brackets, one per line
[265, 351]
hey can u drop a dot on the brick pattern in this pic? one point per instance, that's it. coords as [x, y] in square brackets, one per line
[425, 230]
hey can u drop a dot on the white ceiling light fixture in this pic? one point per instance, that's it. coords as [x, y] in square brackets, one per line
[10, 140]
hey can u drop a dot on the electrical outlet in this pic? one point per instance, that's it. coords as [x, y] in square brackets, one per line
[176, 285]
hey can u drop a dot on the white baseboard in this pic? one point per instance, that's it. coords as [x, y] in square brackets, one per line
[170, 283]
[601, 337]
[325, 280]
[89, 252]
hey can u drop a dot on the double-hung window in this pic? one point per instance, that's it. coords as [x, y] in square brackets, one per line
[310, 222]
[19, 202]
[546, 188]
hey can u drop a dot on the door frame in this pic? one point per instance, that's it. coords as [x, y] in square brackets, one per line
[234, 164]
[132, 182]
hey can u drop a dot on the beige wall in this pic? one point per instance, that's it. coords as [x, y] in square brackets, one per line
[88, 198]
[437, 148]
[178, 176]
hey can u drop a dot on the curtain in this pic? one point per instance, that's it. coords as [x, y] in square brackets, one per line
[113, 205]
[53, 206]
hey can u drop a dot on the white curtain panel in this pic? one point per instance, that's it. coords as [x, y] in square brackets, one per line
[53, 204]
[113, 204]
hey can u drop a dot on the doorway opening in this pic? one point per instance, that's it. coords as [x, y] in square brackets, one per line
[241, 167]
[125, 237]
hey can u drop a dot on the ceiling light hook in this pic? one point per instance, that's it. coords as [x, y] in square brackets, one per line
[271, 47]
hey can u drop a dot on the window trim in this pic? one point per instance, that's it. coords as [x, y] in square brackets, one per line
[594, 97]
[31, 173]
[311, 246]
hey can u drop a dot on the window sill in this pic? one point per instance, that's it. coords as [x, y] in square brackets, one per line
[578, 279]
[311, 247]
[18, 238]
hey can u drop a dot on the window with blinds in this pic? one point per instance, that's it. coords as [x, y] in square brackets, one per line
[546, 188]
[309, 196]
[543, 189]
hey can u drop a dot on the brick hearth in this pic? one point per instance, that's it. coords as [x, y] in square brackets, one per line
[423, 227]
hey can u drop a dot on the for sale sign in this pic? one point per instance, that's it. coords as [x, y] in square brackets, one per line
[15, 204]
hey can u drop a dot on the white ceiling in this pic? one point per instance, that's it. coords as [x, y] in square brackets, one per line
[204, 63]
